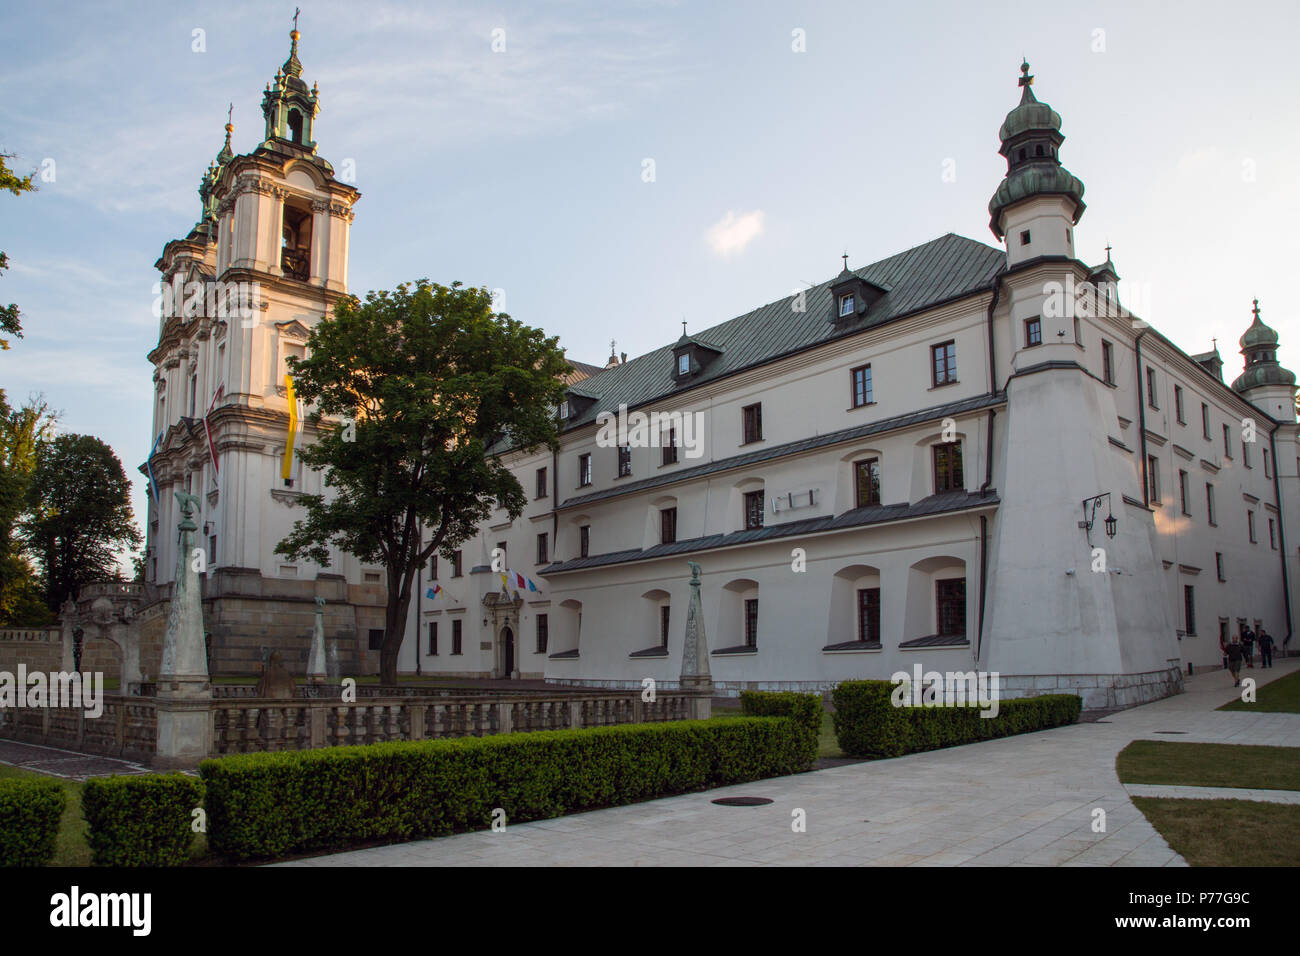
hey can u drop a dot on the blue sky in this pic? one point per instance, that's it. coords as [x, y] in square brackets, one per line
[522, 169]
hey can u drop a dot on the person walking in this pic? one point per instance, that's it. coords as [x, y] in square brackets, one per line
[1234, 660]
[1248, 646]
[1265, 642]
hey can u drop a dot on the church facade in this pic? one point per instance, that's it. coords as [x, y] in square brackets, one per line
[963, 456]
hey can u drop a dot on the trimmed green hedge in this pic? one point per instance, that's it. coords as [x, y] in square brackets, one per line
[30, 811]
[273, 804]
[867, 724]
[804, 709]
[141, 820]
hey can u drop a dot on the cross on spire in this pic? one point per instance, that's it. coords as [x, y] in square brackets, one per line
[845, 257]
[1256, 310]
[683, 326]
[230, 111]
[295, 18]
[1025, 78]
[1108, 252]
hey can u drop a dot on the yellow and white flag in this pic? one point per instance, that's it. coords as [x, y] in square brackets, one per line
[286, 468]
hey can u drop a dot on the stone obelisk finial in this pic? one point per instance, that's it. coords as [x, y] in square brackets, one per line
[316, 665]
[184, 692]
[695, 654]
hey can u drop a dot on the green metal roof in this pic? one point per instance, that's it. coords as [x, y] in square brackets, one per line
[938, 271]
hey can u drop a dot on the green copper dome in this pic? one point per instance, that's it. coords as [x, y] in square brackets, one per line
[1036, 180]
[1258, 335]
[1031, 137]
[1030, 114]
[1259, 345]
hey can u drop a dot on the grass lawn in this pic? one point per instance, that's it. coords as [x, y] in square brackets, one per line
[70, 848]
[1227, 832]
[1282, 696]
[1209, 765]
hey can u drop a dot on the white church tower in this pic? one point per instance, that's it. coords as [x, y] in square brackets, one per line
[267, 260]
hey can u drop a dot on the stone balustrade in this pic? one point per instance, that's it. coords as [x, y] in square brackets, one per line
[128, 727]
[245, 724]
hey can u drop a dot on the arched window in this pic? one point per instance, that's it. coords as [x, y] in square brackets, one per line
[295, 126]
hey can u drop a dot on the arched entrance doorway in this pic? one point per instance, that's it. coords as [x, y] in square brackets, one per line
[508, 645]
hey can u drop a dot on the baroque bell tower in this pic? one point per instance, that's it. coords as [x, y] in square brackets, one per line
[266, 262]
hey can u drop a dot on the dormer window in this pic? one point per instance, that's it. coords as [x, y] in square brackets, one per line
[690, 357]
[852, 296]
[846, 304]
[564, 410]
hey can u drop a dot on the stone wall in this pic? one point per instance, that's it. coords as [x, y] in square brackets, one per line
[1099, 691]
[41, 649]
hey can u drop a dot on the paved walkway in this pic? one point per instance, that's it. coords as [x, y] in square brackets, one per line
[1211, 793]
[1020, 801]
[64, 763]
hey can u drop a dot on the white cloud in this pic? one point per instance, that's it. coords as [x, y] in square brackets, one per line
[732, 233]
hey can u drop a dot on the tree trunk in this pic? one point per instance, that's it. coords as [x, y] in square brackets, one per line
[399, 602]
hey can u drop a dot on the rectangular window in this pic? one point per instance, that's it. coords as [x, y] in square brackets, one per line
[433, 568]
[376, 637]
[1189, 609]
[866, 482]
[751, 622]
[846, 304]
[1151, 387]
[944, 359]
[1209, 504]
[861, 378]
[455, 564]
[869, 615]
[212, 549]
[194, 394]
[456, 626]
[541, 483]
[668, 454]
[433, 638]
[1218, 565]
[1205, 421]
[625, 461]
[1178, 404]
[752, 421]
[584, 470]
[947, 468]
[1272, 532]
[1250, 525]
[543, 551]
[1153, 478]
[667, 525]
[584, 541]
[950, 607]
[664, 615]
[1245, 453]
[684, 364]
[1267, 472]
[1033, 332]
[753, 510]
[1107, 362]
[1227, 442]
[543, 633]
[1182, 491]
[564, 410]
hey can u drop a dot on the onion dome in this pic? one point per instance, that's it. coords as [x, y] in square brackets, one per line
[1259, 345]
[1031, 136]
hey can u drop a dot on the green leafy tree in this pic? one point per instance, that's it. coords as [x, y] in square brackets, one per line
[15, 184]
[80, 515]
[431, 380]
[22, 431]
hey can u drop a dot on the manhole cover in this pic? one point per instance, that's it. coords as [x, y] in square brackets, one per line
[742, 801]
[1171, 731]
